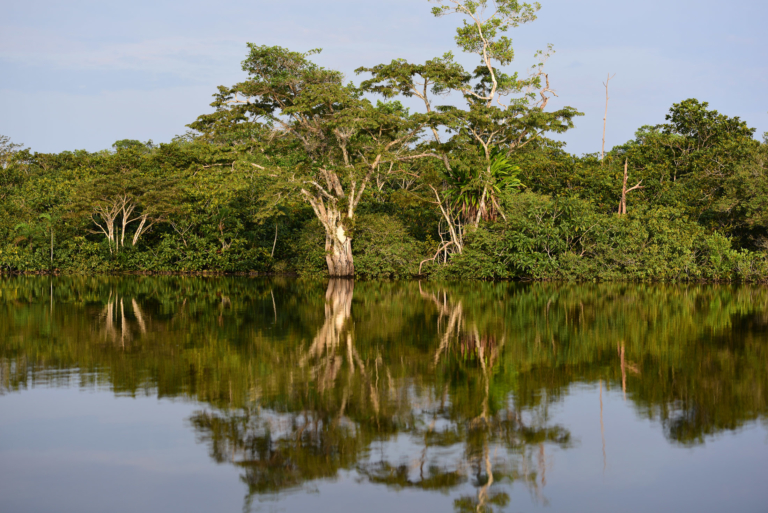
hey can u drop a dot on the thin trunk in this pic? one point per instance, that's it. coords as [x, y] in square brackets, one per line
[623, 202]
[481, 208]
[625, 191]
[274, 306]
[122, 235]
[139, 230]
[274, 243]
[127, 209]
[122, 323]
[111, 236]
[139, 316]
[605, 118]
[623, 373]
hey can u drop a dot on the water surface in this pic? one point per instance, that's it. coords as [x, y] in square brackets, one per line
[238, 394]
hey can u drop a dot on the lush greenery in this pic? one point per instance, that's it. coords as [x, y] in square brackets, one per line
[299, 380]
[296, 171]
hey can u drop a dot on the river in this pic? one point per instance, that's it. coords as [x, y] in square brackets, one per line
[229, 394]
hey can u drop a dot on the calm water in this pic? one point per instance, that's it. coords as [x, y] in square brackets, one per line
[236, 394]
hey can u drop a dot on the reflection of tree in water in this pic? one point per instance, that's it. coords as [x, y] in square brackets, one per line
[499, 446]
[118, 328]
[304, 434]
[341, 401]
[465, 372]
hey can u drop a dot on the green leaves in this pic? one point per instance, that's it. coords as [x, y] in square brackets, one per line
[482, 35]
[7, 150]
[472, 191]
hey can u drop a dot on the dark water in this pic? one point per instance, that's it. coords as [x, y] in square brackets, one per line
[236, 394]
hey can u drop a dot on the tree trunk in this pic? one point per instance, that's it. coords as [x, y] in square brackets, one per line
[139, 230]
[605, 118]
[623, 202]
[274, 244]
[625, 191]
[111, 235]
[338, 253]
[338, 241]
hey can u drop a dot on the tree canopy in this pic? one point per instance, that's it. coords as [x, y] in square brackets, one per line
[298, 171]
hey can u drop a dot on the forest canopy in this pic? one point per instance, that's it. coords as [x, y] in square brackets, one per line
[297, 170]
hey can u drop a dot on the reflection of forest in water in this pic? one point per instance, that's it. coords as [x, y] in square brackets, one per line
[303, 379]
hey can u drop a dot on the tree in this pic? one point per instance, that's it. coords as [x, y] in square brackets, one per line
[744, 202]
[317, 138]
[124, 144]
[490, 126]
[9, 175]
[126, 192]
[7, 150]
[687, 161]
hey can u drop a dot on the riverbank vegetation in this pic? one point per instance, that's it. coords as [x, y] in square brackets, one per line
[298, 171]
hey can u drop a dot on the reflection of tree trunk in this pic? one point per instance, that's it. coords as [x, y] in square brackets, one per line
[626, 366]
[623, 372]
[274, 306]
[338, 309]
[482, 494]
[487, 381]
[122, 323]
[139, 316]
[454, 324]
[455, 319]
[115, 308]
[109, 313]
[339, 298]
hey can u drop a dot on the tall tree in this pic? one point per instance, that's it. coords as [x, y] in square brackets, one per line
[502, 113]
[314, 136]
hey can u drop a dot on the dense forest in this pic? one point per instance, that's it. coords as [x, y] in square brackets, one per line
[296, 171]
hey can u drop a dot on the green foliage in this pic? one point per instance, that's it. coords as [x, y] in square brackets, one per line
[8, 151]
[132, 144]
[309, 255]
[385, 249]
[467, 188]
[295, 171]
[564, 239]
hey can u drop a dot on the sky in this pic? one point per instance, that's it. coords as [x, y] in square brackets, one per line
[82, 74]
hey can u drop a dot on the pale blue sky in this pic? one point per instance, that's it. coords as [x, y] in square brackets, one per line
[81, 74]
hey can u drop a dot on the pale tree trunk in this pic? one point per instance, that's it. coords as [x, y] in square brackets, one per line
[625, 191]
[143, 227]
[338, 251]
[455, 231]
[321, 354]
[338, 243]
[605, 118]
[127, 209]
[108, 214]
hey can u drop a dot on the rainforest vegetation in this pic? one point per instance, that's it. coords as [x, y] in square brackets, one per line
[298, 171]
